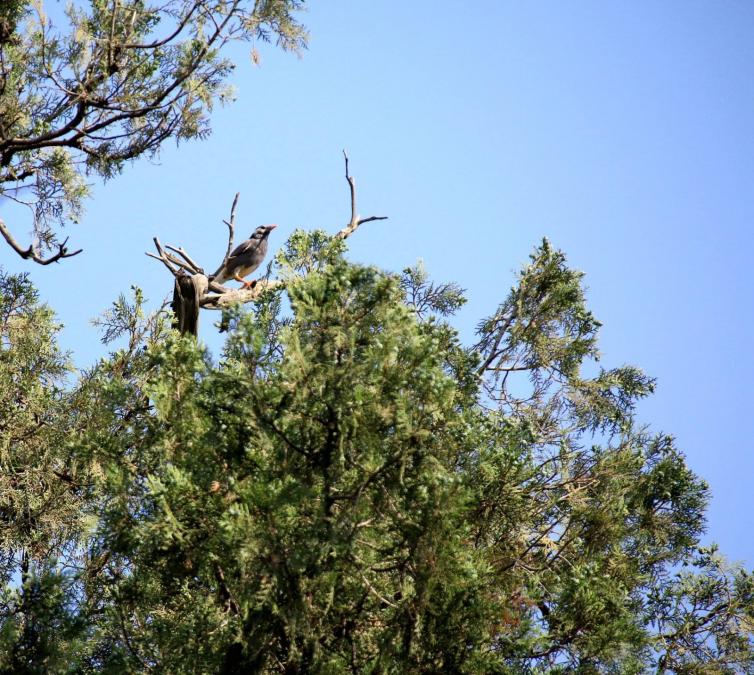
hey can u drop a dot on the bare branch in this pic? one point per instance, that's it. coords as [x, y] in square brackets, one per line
[361, 221]
[173, 263]
[195, 268]
[354, 223]
[231, 231]
[212, 295]
[162, 257]
[352, 187]
[180, 264]
[240, 295]
[375, 592]
[224, 592]
[30, 254]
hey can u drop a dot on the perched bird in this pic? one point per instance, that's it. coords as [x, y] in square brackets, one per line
[246, 257]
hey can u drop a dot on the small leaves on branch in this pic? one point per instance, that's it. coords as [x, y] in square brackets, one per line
[350, 488]
[109, 87]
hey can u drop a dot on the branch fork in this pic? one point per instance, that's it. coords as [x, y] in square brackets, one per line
[30, 254]
[194, 286]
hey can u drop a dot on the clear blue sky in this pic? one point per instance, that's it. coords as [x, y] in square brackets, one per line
[622, 131]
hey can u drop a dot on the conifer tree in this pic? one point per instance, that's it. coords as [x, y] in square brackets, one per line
[86, 88]
[42, 515]
[352, 489]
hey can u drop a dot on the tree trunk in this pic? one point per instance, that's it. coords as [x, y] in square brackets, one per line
[187, 292]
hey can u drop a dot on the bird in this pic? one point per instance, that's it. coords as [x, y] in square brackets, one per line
[245, 258]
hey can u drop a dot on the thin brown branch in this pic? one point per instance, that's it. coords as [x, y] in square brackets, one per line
[355, 221]
[162, 257]
[494, 353]
[66, 478]
[195, 268]
[181, 265]
[375, 592]
[352, 188]
[156, 257]
[110, 49]
[174, 264]
[31, 254]
[164, 41]
[361, 221]
[231, 232]
[224, 592]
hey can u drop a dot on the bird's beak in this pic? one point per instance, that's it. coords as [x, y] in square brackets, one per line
[270, 227]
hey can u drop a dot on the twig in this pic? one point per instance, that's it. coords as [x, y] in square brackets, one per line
[354, 223]
[494, 353]
[162, 260]
[223, 297]
[173, 263]
[231, 230]
[225, 595]
[352, 187]
[180, 264]
[162, 257]
[29, 254]
[375, 592]
[194, 266]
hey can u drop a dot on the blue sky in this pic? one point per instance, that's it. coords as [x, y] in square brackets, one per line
[622, 131]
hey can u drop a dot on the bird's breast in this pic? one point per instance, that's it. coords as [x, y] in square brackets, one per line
[245, 270]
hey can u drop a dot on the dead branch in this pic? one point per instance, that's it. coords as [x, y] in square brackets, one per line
[231, 231]
[194, 266]
[162, 256]
[30, 254]
[354, 223]
[174, 264]
[240, 295]
[194, 289]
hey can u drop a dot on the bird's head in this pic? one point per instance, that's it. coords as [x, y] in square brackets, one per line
[262, 231]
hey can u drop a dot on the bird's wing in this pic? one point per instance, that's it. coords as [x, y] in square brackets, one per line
[245, 247]
[235, 259]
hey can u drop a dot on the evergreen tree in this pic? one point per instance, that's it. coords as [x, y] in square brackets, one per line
[351, 489]
[109, 82]
[42, 516]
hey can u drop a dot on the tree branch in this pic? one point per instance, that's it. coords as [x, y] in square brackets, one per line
[30, 254]
[195, 268]
[231, 231]
[162, 257]
[217, 297]
[240, 295]
[354, 223]
[494, 353]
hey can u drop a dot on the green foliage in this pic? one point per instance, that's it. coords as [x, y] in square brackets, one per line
[41, 514]
[425, 296]
[41, 631]
[351, 489]
[112, 84]
[37, 508]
